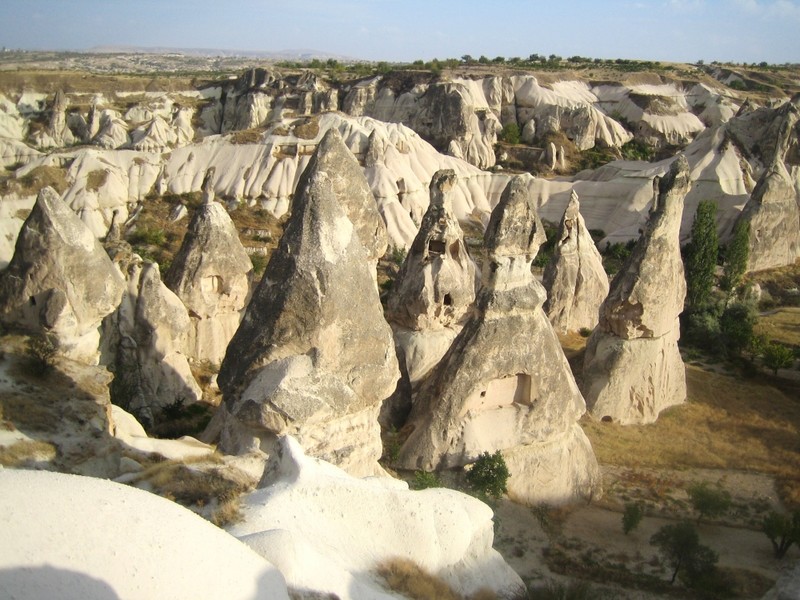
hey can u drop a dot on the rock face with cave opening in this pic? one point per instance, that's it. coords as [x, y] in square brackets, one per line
[211, 275]
[432, 292]
[60, 280]
[633, 369]
[313, 356]
[505, 384]
[575, 279]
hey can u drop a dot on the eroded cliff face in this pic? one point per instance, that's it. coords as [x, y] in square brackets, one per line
[633, 369]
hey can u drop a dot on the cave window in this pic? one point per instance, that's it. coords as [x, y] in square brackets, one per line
[436, 246]
[33, 300]
[448, 300]
[454, 250]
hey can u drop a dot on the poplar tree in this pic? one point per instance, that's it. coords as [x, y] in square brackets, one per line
[701, 255]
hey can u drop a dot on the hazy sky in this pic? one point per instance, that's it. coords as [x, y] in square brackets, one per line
[405, 30]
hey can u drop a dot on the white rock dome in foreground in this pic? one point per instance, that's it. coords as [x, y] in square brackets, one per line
[73, 537]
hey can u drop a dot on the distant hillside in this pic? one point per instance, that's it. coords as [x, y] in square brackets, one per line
[301, 54]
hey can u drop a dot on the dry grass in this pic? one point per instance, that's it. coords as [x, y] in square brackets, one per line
[307, 129]
[782, 325]
[246, 136]
[96, 179]
[727, 423]
[228, 513]
[412, 581]
[35, 180]
[26, 452]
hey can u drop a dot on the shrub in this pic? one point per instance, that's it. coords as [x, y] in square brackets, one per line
[259, 262]
[510, 134]
[424, 480]
[148, 236]
[782, 530]
[632, 516]
[585, 332]
[680, 546]
[777, 356]
[709, 502]
[41, 350]
[412, 581]
[488, 475]
[736, 326]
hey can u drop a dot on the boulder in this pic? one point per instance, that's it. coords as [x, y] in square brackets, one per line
[313, 355]
[211, 275]
[633, 369]
[772, 210]
[328, 531]
[60, 280]
[575, 280]
[505, 384]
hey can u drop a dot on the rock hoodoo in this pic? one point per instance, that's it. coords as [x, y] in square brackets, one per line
[211, 274]
[433, 290]
[146, 339]
[313, 355]
[772, 210]
[60, 280]
[575, 280]
[633, 369]
[505, 384]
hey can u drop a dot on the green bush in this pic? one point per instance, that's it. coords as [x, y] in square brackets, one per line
[736, 326]
[709, 502]
[424, 480]
[488, 475]
[777, 356]
[148, 236]
[632, 516]
[680, 546]
[510, 134]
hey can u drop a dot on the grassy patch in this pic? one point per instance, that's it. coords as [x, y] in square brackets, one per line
[25, 452]
[35, 180]
[96, 179]
[727, 423]
[412, 581]
[246, 136]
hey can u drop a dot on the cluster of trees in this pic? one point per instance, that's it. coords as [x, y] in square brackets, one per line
[716, 318]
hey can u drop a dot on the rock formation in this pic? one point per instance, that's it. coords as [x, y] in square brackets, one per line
[313, 355]
[772, 210]
[60, 280]
[57, 134]
[432, 292]
[348, 526]
[574, 279]
[633, 369]
[351, 190]
[505, 384]
[211, 274]
[145, 342]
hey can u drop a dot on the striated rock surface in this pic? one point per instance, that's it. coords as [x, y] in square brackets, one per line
[505, 384]
[772, 210]
[146, 340]
[575, 280]
[313, 356]
[56, 134]
[60, 280]
[211, 275]
[633, 369]
[327, 531]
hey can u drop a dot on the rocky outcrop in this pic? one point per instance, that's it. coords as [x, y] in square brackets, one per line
[211, 275]
[313, 355]
[505, 384]
[431, 294]
[154, 135]
[113, 131]
[57, 134]
[632, 368]
[772, 211]
[60, 280]
[145, 343]
[575, 280]
[327, 531]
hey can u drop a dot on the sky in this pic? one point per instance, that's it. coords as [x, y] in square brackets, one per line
[407, 30]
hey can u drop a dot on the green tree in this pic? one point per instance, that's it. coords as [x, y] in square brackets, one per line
[424, 480]
[632, 516]
[701, 255]
[777, 356]
[782, 530]
[736, 327]
[680, 546]
[489, 474]
[709, 502]
[737, 254]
